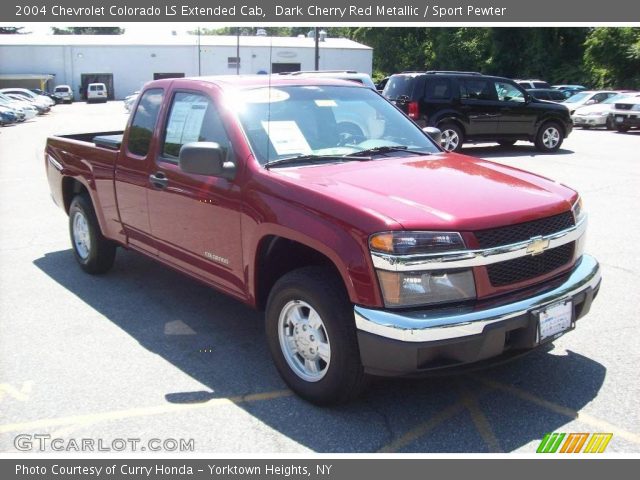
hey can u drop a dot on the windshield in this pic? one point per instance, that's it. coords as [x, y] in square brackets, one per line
[291, 121]
[578, 97]
[617, 97]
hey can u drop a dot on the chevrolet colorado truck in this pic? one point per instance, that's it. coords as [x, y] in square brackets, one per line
[370, 249]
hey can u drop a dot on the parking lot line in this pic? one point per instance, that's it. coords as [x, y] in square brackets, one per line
[567, 412]
[422, 429]
[142, 411]
[480, 420]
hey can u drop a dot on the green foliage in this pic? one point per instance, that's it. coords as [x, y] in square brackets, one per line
[612, 57]
[87, 31]
[11, 30]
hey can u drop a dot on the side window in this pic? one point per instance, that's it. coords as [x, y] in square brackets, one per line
[507, 92]
[438, 89]
[192, 118]
[144, 121]
[477, 89]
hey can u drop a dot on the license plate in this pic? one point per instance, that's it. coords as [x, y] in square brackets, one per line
[554, 320]
[619, 119]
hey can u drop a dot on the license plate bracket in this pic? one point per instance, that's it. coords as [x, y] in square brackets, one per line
[554, 320]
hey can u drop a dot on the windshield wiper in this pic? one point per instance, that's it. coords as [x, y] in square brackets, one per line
[388, 149]
[316, 159]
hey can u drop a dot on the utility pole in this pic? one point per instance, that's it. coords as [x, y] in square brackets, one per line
[317, 37]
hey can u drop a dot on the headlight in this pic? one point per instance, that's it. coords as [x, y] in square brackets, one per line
[411, 243]
[578, 211]
[409, 289]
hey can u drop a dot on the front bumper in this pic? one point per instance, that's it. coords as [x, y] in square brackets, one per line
[589, 120]
[409, 342]
[627, 119]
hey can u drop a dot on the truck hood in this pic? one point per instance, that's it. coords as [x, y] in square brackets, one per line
[443, 191]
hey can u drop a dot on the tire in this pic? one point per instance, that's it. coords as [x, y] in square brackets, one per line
[334, 377]
[94, 253]
[452, 137]
[506, 143]
[549, 137]
[609, 124]
[622, 128]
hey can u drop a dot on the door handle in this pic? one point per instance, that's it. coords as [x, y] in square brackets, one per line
[158, 180]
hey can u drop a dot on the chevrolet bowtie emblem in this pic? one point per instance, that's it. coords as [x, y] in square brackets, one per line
[537, 245]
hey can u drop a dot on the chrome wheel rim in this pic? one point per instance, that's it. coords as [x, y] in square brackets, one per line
[551, 137]
[450, 140]
[81, 237]
[304, 341]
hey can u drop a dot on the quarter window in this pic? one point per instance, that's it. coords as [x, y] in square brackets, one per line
[144, 121]
[439, 89]
[193, 118]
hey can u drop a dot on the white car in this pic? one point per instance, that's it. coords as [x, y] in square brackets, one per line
[626, 113]
[351, 75]
[96, 92]
[24, 92]
[600, 114]
[588, 97]
[64, 93]
[28, 110]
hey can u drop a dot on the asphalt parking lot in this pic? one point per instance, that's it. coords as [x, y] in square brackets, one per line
[144, 352]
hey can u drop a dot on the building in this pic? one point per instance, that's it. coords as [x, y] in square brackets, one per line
[126, 62]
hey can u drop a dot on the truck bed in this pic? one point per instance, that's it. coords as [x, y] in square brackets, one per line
[109, 140]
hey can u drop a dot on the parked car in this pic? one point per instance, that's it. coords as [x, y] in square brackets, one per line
[24, 92]
[587, 97]
[352, 75]
[547, 94]
[28, 110]
[600, 114]
[40, 107]
[7, 116]
[569, 90]
[470, 107]
[97, 92]
[526, 84]
[44, 93]
[626, 113]
[64, 93]
[376, 253]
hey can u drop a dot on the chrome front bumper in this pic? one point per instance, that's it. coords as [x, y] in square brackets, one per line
[459, 322]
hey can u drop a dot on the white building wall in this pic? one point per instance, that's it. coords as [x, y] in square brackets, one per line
[134, 65]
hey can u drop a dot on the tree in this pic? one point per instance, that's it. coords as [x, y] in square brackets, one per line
[87, 31]
[12, 31]
[612, 57]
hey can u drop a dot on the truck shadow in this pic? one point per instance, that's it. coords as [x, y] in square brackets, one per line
[220, 343]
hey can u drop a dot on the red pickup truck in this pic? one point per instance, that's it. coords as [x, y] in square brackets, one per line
[371, 251]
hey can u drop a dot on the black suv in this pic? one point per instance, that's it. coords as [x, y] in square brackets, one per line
[471, 107]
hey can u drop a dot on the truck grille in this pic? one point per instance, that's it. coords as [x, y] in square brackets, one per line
[526, 268]
[623, 106]
[495, 237]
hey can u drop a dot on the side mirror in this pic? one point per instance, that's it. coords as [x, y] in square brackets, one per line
[590, 102]
[434, 133]
[205, 158]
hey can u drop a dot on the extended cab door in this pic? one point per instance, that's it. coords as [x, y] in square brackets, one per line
[195, 219]
[132, 171]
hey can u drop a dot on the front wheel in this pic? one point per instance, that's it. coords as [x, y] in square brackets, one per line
[311, 334]
[452, 137]
[549, 137]
[92, 250]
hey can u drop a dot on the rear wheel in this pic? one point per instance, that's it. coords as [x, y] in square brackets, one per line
[452, 137]
[312, 337]
[549, 137]
[92, 250]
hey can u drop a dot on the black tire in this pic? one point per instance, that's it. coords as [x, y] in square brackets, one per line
[543, 142]
[609, 124]
[451, 131]
[98, 254]
[506, 143]
[322, 290]
[622, 128]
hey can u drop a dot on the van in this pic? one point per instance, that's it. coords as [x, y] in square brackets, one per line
[96, 92]
[64, 93]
